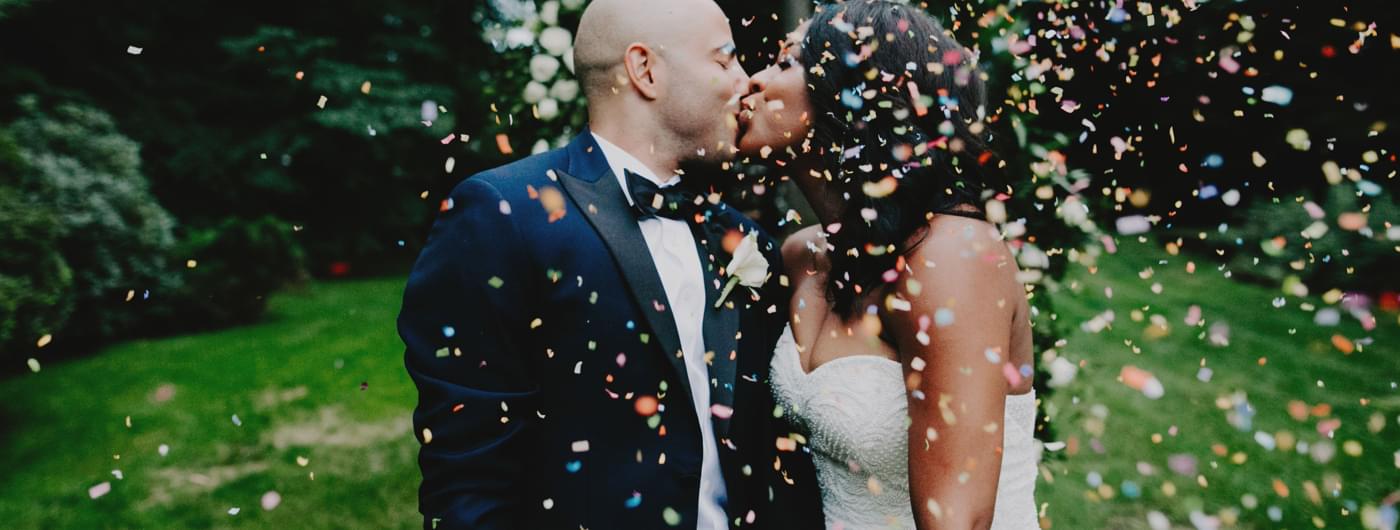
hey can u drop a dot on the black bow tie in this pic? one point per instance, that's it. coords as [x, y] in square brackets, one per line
[650, 200]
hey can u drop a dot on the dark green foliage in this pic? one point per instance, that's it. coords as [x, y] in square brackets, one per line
[228, 129]
[35, 281]
[237, 264]
[85, 175]
[1185, 85]
[1281, 239]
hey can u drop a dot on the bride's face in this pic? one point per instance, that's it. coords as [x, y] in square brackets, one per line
[777, 113]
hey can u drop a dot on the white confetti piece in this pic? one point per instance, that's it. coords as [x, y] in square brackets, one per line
[1133, 225]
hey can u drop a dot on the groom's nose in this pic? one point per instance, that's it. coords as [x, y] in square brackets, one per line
[741, 81]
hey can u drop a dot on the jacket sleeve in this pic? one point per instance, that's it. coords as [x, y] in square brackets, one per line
[463, 311]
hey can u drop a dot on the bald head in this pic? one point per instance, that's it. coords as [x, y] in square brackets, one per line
[609, 27]
[661, 78]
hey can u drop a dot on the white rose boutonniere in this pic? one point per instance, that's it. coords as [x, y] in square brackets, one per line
[748, 268]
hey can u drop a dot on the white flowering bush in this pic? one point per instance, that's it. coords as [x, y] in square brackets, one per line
[536, 100]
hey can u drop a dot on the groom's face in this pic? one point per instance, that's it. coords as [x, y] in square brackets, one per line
[705, 81]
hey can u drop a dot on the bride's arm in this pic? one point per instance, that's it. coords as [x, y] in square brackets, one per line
[954, 340]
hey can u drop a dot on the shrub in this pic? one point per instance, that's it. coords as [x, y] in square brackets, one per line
[1346, 241]
[34, 279]
[236, 264]
[80, 170]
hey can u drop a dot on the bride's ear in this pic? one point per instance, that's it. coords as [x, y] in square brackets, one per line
[641, 64]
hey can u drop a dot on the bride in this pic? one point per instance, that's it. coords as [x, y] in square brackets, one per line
[908, 354]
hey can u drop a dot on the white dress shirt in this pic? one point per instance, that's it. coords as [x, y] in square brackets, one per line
[673, 251]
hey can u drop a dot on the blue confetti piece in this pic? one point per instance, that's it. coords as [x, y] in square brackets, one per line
[1209, 191]
[633, 502]
[1370, 189]
[943, 317]
[851, 99]
[1278, 95]
[448, 331]
[1131, 490]
[573, 466]
[1117, 15]
[1213, 160]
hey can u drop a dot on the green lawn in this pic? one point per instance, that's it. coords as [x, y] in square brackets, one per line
[340, 454]
[294, 381]
[1274, 356]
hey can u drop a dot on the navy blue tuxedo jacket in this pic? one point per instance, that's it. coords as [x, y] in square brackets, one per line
[535, 321]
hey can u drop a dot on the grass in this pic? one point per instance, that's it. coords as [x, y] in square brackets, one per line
[320, 382]
[1276, 356]
[295, 383]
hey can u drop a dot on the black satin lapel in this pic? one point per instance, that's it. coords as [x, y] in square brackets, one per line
[721, 326]
[604, 205]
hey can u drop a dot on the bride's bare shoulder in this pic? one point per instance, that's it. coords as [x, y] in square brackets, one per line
[970, 245]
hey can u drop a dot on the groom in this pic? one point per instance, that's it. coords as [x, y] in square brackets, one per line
[579, 360]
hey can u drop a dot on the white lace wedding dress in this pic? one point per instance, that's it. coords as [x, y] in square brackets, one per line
[855, 410]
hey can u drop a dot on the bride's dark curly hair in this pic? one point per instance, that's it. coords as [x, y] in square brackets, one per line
[897, 158]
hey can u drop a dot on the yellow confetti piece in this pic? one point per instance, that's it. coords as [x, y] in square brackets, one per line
[881, 188]
[364, 88]
[1352, 448]
[44, 340]
[321, 103]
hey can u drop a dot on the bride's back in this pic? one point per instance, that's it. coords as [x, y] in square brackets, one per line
[823, 336]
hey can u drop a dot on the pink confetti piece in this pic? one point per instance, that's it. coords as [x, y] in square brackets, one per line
[1011, 374]
[1228, 64]
[270, 500]
[721, 411]
[1193, 315]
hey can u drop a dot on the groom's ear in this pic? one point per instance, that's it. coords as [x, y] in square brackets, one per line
[640, 62]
